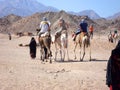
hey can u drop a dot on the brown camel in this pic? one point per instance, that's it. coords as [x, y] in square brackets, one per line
[45, 44]
[84, 41]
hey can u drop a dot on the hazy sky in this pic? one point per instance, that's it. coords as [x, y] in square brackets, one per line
[104, 8]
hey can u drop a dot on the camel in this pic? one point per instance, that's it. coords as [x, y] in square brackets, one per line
[45, 44]
[84, 41]
[110, 38]
[115, 37]
[61, 44]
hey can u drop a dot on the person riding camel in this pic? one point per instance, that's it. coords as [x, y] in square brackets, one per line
[115, 33]
[44, 26]
[82, 28]
[110, 37]
[91, 28]
[63, 26]
[44, 30]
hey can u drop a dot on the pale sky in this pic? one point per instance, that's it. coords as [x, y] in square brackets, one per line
[103, 8]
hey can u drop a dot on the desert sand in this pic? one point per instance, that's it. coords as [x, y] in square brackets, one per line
[19, 72]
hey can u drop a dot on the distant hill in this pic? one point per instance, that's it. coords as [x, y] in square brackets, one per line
[90, 13]
[29, 7]
[8, 21]
[31, 23]
[22, 7]
[14, 24]
[117, 15]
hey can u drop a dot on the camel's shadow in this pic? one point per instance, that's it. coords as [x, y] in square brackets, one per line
[74, 60]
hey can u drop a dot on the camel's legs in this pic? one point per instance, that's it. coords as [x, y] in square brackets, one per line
[80, 50]
[42, 56]
[56, 51]
[75, 51]
[67, 49]
[67, 53]
[90, 51]
[61, 54]
[64, 53]
[83, 53]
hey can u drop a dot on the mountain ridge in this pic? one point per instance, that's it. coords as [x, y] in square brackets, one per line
[90, 13]
[29, 7]
[23, 8]
[116, 15]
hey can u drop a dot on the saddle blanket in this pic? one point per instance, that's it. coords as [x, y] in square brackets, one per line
[45, 34]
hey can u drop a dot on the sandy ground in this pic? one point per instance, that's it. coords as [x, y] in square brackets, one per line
[19, 72]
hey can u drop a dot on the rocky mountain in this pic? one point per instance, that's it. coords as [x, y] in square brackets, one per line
[90, 13]
[29, 7]
[117, 15]
[23, 7]
[14, 24]
[31, 23]
[7, 21]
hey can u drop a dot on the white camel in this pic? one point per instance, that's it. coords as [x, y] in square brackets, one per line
[61, 45]
[116, 37]
[84, 42]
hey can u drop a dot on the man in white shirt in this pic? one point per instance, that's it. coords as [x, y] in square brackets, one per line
[44, 26]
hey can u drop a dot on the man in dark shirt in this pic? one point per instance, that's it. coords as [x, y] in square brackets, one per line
[82, 28]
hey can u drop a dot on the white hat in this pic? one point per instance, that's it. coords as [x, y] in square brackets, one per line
[83, 20]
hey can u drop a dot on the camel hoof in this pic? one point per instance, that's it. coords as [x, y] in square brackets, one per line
[81, 60]
[62, 60]
[50, 61]
[43, 60]
[55, 59]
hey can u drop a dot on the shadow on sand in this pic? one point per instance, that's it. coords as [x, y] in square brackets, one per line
[93, 60]
[73, 60]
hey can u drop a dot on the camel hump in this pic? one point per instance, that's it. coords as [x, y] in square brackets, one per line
[82, 34]
[45, 34]
[64, 31]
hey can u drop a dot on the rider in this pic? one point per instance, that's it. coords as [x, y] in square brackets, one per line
[115, 33]
[62, 26]
[91, 28]
[44, 26]
[110, 37]
[82, 28]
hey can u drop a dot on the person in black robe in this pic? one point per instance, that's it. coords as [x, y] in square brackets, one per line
[32, 47]
[113, 69]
